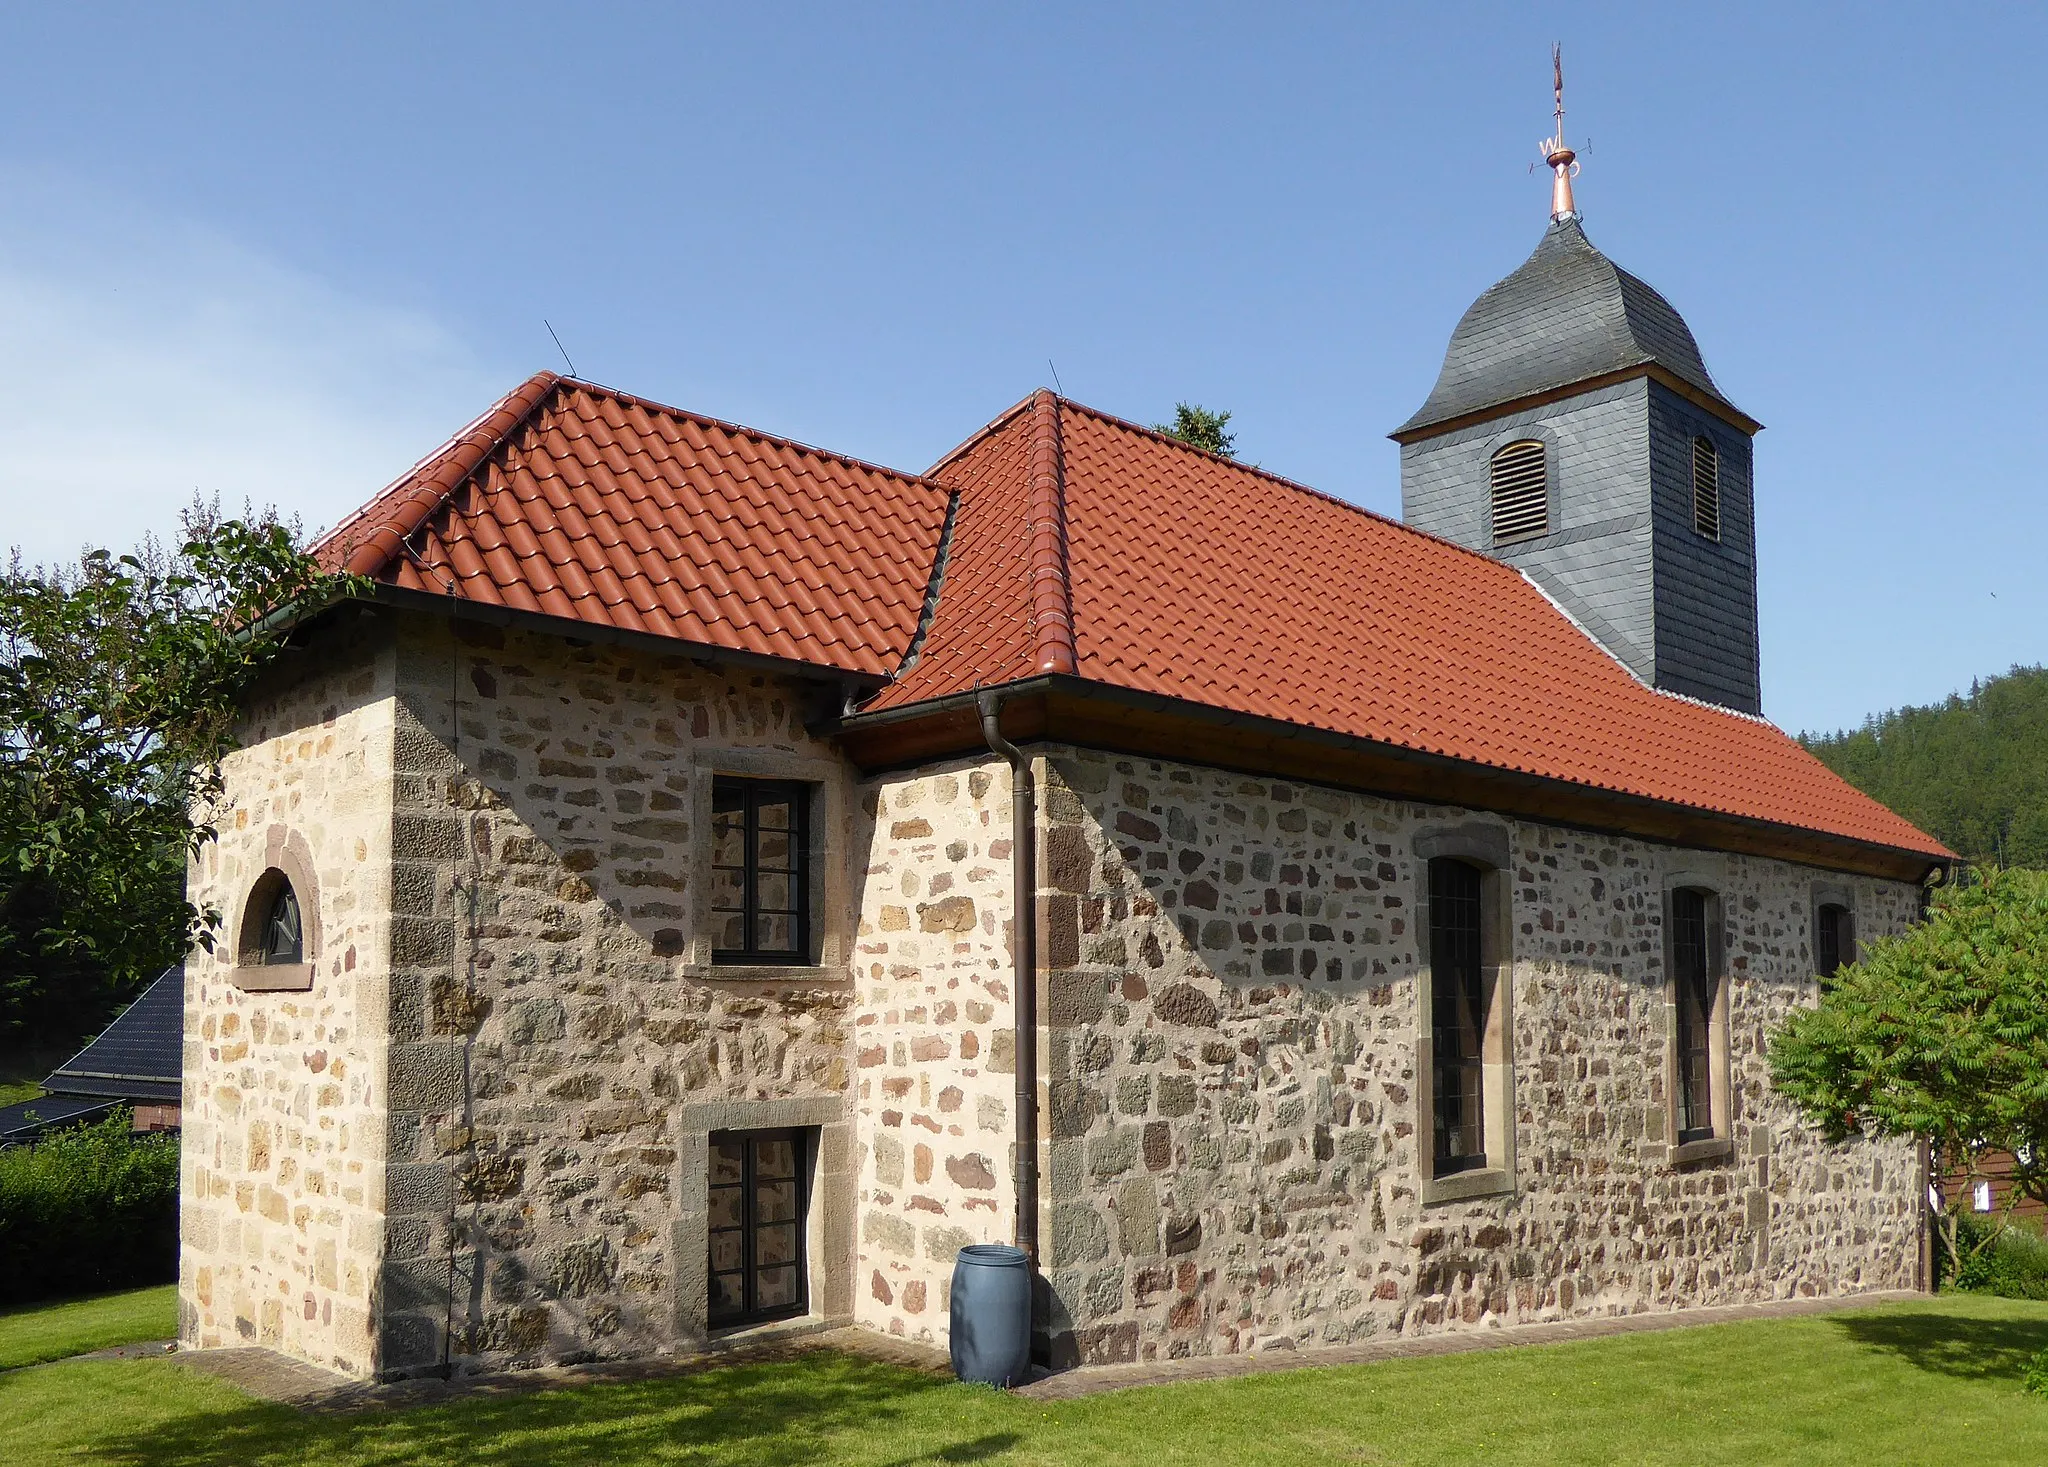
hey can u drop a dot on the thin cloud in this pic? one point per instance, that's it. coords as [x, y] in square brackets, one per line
[143, 358]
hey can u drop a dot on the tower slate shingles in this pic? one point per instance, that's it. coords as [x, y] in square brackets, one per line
[1622, 558]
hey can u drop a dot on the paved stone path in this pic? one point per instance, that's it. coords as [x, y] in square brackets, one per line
[275, 1377]
[1089, 1380]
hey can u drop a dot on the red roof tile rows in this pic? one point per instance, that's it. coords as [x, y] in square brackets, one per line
[587, 504]
[1199, 578]
[1081, 544]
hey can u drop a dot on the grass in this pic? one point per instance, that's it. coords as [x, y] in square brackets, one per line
[1931, 1382]
[42, 1332]
[13, 1090]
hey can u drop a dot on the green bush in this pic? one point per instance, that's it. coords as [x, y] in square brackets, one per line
[86, 1210]
[2014, 1266]
[2036, 1378]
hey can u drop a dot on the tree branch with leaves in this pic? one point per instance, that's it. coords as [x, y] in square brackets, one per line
[120, 682]
[1199, 428]
[1940, 1033]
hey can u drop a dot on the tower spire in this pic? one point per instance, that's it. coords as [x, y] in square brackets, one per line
[1562, 160]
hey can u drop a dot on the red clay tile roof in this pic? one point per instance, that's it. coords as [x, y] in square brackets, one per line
[1081, 544]
[587, 504]
[1198, 578]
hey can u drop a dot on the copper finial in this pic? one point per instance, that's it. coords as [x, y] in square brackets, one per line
[1562, 160]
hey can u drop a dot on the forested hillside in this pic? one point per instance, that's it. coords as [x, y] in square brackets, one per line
[1973, 771]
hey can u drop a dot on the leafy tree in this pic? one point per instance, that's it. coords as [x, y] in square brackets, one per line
[1972, 770]
[1940, 1033]
[119, 682]
[1199, 428]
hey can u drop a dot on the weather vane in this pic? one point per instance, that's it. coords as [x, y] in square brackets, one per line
[1563, 161]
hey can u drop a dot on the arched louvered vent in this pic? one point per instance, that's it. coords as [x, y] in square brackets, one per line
[1521, 492]
[1706, 488]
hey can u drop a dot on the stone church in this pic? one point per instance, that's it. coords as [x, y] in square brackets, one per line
[708, 880]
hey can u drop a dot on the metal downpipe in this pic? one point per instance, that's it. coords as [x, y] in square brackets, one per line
[1024, 925]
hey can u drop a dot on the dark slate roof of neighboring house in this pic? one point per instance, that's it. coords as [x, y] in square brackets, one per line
[1567, 315]
[25, 1120]
[140, 1056]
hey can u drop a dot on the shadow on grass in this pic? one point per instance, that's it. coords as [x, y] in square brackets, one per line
[1943, 1344]
[771, 1415]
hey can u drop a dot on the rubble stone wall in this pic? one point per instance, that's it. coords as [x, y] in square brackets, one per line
[282, 1187]
[561, 1046]
[935, 1038]
[1232, 1100]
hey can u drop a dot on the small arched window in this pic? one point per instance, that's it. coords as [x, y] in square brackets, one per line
[1521, 492]
[1706, 488]
[284, 939]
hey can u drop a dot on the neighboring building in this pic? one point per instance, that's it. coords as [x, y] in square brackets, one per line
[625, 898]
[137, 1061]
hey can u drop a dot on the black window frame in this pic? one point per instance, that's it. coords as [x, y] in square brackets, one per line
[734, 794]
[1459, 1004]
[1695, 994]
[1833, 940]
[802, 1148]
[273, 952]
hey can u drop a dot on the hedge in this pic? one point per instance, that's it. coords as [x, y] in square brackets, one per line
[86, 1210]
[2014, 1266]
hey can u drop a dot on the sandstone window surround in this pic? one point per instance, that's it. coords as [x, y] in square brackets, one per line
[829, 1188]
[828, 941]
[1697, 1120]
[1484, 848]
[285, 885]
[1834, 928]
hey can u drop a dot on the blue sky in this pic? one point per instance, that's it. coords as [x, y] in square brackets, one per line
[278, 254]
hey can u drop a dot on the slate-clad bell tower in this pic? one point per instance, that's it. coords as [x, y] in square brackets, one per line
[1575, 433]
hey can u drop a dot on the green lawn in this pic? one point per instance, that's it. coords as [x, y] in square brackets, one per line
[1936, 1382]
[52, 1331]
[13, 1090]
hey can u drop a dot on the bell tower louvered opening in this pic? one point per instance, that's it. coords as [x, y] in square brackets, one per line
[1706, 488]
[1521, 492]
[1575, 434]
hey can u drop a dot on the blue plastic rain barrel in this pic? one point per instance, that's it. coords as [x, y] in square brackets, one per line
[992, 1314]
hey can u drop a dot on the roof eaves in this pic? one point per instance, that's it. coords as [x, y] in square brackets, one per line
[1424, 425]
[1138, 698]
[663, 644]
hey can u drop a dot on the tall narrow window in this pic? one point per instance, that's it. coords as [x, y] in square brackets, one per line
[758, 1206]
[1706, 488]
[1458, 1005]
[1833, 944]
[1521, 492]
[760, 871]
[1694, 980]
